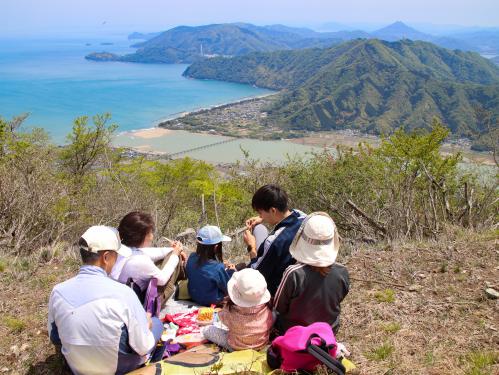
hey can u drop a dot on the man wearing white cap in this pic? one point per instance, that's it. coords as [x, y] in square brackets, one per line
[99, 323]
[312, 289]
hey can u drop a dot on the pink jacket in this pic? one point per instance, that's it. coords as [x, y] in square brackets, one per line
[249, 327]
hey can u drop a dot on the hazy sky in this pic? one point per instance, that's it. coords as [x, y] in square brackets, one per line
[44, 16]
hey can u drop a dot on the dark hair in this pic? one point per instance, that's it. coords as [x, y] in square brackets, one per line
[209, 252]
[134, 228]
[87, 257]
[269, 196]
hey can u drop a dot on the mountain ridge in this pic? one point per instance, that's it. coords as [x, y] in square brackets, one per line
[186, 44]
[370, 85]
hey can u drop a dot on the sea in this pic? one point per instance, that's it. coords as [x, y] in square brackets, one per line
[49, 79]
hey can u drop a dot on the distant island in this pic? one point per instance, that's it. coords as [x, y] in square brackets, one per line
[106, 44]
[185, 44]
[371, 86]
[103, 56]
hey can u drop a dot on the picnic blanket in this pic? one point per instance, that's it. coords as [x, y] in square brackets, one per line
[173, 307]
[247, 361]
[186, 321]
[243, 361]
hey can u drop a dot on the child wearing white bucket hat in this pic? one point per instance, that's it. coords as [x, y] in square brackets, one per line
[246, 315]
[312, 289]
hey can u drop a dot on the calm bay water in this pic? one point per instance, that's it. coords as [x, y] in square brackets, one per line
[51, 80]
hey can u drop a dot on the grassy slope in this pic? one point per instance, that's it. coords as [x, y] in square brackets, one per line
[446, 327]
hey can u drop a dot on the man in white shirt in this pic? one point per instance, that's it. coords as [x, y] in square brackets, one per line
[99, 323]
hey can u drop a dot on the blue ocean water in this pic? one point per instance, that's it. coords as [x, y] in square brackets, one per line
[51, 80]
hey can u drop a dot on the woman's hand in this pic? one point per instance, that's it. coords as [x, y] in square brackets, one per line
[177, 248]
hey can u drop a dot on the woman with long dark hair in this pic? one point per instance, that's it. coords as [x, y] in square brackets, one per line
[136, 231]
[205, 269]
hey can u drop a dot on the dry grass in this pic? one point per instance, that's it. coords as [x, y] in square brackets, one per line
[445, 325]
[436, 327]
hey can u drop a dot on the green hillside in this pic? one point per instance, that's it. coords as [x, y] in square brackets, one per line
[185, 44]
[369, 85]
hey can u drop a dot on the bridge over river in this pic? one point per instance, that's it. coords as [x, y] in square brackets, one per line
[183, 152]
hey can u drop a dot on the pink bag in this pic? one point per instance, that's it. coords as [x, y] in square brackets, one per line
[297, 349]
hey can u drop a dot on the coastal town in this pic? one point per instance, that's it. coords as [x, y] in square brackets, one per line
[244, 118]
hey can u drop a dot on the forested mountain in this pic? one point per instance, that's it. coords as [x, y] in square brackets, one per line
[185, 44]
[142, 36]
[370, 85]
[400, 30]
[484, 41]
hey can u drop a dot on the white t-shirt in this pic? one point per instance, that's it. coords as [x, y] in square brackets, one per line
[141, 268]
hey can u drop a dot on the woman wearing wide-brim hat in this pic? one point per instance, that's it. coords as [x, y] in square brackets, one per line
[312, 289]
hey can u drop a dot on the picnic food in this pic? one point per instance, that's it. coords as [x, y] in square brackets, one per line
[205, 314]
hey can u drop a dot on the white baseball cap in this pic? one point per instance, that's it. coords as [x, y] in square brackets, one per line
[101, 237]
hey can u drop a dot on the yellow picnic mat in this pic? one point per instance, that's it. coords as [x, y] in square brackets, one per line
[247, 361]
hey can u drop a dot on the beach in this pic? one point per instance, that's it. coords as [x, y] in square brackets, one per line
[149, 133]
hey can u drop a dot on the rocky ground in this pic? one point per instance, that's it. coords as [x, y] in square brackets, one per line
[413, 308]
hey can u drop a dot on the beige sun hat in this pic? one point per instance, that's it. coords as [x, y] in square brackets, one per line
[248, 288]
[316, 243]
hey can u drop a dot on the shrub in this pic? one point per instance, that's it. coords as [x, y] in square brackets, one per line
[14, 324]
[392, 327]
[381, 353]
[385, 296]
[481, 362]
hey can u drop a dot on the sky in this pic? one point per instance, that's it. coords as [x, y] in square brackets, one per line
[32, 17]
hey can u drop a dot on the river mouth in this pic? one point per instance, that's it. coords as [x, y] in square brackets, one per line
[210, 147]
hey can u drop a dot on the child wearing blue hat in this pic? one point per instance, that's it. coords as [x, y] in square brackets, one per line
[205, 269]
